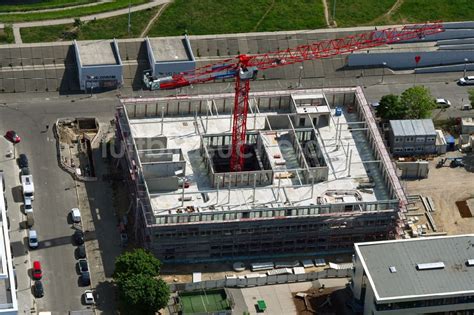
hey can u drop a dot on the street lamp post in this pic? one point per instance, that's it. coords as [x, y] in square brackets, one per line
[384, 64]
[300, 75]
[465, 66]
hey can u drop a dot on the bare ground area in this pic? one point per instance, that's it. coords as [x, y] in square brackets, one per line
[447, 186]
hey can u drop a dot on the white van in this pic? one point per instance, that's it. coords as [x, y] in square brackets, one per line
[28, 186]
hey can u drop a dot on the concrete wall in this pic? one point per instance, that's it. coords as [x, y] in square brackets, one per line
[277, 122]
[161, 184]
[162, 169]
[406, 60]
[418, 169]
[151, 143]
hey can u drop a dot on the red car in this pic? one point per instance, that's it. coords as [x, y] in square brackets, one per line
[37, 272]
[12, 136]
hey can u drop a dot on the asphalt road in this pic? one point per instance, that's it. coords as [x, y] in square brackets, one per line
[55, 195]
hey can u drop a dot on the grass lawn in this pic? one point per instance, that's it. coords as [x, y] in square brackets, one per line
[429, 10]
[69, 13]
[360, 12]
[199, 17]
[115, 27]
[6, 35]
[10, 5]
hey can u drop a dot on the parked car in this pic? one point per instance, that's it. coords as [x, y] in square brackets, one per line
[25, 171]
[469, 80]
[28, 205]
[23, 160]
[89, 297]
[12, 136]
[443, 103]
[85, 278]
[78, 237]
[38, 289]
[37, 272]
[76, 215]
[33, 239]
[83, 266]
[81, 251]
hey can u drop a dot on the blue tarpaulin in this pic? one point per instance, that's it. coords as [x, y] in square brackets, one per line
[450, 142]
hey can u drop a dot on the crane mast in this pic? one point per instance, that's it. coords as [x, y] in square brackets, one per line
[245, 67]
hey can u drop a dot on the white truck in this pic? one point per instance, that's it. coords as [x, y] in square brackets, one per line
[28, 186]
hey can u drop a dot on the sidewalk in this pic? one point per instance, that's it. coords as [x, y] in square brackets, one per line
[101, 232]
[21, 259]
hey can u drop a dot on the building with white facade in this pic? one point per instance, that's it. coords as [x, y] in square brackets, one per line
[8, 299]
[433, 275]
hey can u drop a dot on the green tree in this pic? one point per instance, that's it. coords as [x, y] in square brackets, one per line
[390, 107]
[142, 294]
[471, 96]
[140, 288]
[418, 102]
[138, 261]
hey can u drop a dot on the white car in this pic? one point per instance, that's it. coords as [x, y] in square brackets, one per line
[28, 205]
[466, 80]
[76, 215]
[33, 239]
[443, 103]
[89, 297]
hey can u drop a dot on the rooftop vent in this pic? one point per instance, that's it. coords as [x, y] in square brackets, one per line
[392, 269]
[470, 262]
[430, 266]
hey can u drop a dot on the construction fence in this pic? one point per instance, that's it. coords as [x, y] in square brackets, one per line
[257, 279]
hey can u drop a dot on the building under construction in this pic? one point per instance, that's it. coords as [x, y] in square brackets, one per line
[316, 178]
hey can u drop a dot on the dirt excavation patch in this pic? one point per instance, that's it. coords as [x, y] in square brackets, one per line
[464, 208]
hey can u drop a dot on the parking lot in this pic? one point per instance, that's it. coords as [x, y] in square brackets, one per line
[55, 194]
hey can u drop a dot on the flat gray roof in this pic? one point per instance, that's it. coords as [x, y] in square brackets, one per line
[412, 127]
[169, 49]
[95, 53]
[408, 283]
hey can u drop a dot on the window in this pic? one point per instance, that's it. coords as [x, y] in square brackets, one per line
[409, 149]
[420, 139]
[431, 139]
[398, 139]
[410, 139]
[397, 150]
[419, 149]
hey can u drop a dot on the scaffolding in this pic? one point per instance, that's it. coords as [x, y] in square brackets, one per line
[285, 202]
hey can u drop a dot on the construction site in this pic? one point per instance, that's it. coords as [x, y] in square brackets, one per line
[316, 175]
[259, 175]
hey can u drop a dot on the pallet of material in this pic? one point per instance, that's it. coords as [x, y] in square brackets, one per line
[284, 175]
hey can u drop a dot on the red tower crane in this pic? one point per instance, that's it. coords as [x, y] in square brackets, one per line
[245, 67]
